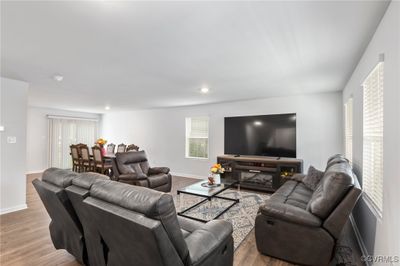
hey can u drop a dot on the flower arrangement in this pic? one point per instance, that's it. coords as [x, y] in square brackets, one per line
[217, 169]
[101, 142]
[215, 177]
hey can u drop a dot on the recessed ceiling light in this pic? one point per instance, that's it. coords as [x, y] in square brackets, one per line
[257, 123]
[204, 90]
[107, 107]
[58, 78]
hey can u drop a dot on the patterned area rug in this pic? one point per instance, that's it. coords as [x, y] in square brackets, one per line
[241, 216]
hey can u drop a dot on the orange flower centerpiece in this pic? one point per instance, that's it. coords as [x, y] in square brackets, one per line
[215, 177]
[101, 142]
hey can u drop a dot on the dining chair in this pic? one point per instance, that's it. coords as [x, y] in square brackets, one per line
[76, 159]
[132, 147]
[86, 161]
[100, 164]
[121, 147]
[111, 148]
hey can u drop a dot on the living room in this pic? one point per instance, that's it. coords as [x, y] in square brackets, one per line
[268, 129]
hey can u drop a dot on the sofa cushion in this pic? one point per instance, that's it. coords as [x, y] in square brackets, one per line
[157, 180]
[337, 180]
[292, 193]
[335, 161]
[300, 196]
[59, 177]
[313, 177]
[289, 213]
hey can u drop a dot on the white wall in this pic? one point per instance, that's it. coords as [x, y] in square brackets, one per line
[386, 231]
[162, 132]
[38, 135]
[13, 105]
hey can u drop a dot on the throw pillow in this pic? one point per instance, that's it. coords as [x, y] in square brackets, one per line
[311, 180]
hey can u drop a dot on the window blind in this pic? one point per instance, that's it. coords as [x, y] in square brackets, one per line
[348, 131]
[63, 133]
[373, 137]
[197, 137]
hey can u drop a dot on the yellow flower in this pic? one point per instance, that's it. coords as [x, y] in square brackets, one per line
[214, 169]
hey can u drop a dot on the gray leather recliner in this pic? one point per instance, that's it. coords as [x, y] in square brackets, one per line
[65, 227]
[140, 225]
[133, 168]
[302, 226]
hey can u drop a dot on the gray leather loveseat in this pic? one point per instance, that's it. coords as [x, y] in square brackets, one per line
[302, 226]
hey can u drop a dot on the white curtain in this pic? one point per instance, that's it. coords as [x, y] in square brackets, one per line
[67, 131]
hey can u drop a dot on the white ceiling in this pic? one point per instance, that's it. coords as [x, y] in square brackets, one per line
[135, 55]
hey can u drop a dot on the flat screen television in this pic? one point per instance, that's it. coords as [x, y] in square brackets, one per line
[262, 135]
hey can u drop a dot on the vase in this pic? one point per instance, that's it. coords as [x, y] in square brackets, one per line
[217, 178]
[103, 151]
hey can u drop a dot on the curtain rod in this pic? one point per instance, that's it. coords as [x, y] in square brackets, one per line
[71, 118]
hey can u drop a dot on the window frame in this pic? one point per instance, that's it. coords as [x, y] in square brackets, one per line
[374, 206]
[349, 125]
[187, 146]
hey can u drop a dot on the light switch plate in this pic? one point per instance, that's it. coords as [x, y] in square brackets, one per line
[11, 139]
[1, 128]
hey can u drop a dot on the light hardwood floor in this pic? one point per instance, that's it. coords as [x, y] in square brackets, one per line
[25, 238]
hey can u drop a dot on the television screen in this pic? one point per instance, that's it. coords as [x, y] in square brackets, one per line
[263, 135]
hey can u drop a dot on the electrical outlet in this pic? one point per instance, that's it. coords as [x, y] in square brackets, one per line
[11, 139]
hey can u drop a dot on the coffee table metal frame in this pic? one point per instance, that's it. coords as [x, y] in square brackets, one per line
[207, 198]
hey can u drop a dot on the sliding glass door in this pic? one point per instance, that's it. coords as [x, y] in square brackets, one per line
[66, 131]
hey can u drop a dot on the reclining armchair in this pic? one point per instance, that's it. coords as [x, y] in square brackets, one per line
[139, 226]
[133, 168]
[300, 225]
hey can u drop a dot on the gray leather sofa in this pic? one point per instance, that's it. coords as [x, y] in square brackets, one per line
[120, 224]
[302, 226]
[133, 168]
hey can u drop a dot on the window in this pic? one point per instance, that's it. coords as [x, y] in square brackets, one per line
[197, 137]
[348, 129]
[373, 137]
[66, 131]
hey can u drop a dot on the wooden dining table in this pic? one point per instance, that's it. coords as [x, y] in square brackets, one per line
[106, 156]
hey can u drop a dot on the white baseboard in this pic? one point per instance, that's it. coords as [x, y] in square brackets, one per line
[35, 172]
[360, 241]
[13, 209]
[189, 175]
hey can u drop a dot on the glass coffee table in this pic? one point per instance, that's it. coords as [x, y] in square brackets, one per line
[199, 189]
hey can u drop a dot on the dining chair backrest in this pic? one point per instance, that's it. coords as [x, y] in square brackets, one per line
[132, 147]
[80, 145]
[84, 150]
[74, 152]
[111, 148]
[97, 155]
[121, 147]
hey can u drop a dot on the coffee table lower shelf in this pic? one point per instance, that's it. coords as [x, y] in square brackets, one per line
[207, 198]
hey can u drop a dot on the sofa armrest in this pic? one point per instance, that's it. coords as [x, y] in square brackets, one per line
[132, 176]
[295, 177]
[203, 241]
[290, 213]
[158, 170]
